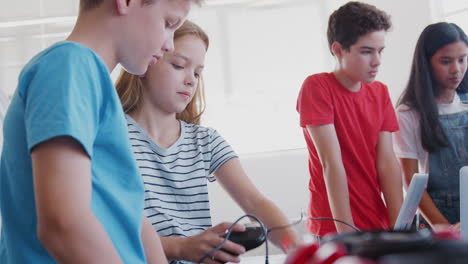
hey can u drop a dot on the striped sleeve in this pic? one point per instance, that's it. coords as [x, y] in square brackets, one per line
[221, 152]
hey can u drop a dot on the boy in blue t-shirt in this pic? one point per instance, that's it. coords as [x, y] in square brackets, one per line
[70, 191]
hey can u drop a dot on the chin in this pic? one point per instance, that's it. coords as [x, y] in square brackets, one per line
[136, 70]
[454, 87]
[179, 110]
[369, 80]
[136, 67]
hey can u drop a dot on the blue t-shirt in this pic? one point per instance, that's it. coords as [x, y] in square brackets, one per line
[66, 90]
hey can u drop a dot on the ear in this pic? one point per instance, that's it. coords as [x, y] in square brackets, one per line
[337, 49]
[123, 6]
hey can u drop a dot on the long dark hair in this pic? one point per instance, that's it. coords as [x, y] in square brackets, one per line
[421, 92]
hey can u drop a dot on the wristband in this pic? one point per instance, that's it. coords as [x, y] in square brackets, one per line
[286, 243]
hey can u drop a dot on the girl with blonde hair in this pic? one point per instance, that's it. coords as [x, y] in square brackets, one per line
[177, 157]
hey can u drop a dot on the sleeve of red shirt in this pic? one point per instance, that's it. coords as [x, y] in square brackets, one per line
[314, 103]
[390, 122]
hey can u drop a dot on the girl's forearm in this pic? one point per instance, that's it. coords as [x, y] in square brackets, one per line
[272, 217]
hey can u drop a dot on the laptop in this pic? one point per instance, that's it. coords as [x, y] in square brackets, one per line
[464, 202]
[411, 202]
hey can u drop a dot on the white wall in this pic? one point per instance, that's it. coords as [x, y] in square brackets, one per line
[280, 176]
[256, 63]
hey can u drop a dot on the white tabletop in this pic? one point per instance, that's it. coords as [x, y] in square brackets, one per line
[272, 259]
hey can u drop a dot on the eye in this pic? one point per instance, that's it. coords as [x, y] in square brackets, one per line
[172, 23]
[445, 62]
[177, 67]
[197, 75]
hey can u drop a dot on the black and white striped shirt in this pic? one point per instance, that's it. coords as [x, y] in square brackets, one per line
[175, 178]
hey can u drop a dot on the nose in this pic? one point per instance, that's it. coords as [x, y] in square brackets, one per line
[168, 45]
[376, 59]
[190, 79]
[455, 67]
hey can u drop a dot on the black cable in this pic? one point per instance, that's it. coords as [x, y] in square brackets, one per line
[266, 231]
[228, 233]
[286, 226]
[336, 220]
[313, 219]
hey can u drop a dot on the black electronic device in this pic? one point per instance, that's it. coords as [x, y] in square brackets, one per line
[252, 237]
[439, 252]
[373, 245]
[404, 247]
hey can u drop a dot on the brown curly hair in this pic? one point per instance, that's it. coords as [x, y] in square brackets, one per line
[353, 20]
[86, 5]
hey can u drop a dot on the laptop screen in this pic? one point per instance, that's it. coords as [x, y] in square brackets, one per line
[464, 201]
[410, 204]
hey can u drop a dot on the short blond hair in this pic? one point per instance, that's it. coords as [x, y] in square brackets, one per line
[86, 5]
[130, 86]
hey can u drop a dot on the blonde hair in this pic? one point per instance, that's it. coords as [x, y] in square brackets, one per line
[130, 86]
[86, 5]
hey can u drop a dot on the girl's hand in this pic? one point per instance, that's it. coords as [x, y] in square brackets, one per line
[450, 232]
[447, 228]
[456, 227]
[195, 247]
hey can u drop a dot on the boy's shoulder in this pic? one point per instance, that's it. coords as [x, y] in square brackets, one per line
[62, 50]
[320, 80]
[56, 65]
[67, 47]
[59, 54]
[323, 76]
[377, 88]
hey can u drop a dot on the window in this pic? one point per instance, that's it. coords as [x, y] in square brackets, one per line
[260, 53]
[26, 31]
[257, 61]
[456, 11]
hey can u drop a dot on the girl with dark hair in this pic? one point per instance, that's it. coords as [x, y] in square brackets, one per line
[433, 118]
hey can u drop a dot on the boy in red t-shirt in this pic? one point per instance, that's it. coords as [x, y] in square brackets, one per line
[347, 119]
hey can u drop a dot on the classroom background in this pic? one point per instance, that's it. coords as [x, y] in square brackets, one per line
[259, 55]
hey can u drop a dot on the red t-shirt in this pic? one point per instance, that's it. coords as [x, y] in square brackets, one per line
[358, 118]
